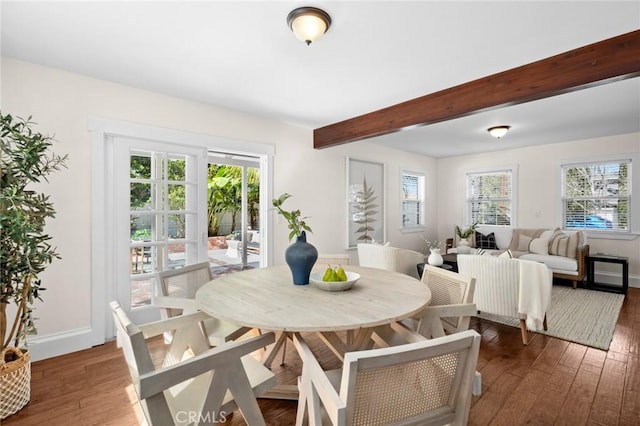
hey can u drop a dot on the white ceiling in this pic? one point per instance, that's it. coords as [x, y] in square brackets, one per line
[241, 55]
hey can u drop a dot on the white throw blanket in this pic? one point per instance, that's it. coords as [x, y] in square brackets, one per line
[535, 292]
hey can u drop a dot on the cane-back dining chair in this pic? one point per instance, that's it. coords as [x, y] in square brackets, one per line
[428, 382]
[449, 311]
[193, 381]
[390, 258]
[451, 306]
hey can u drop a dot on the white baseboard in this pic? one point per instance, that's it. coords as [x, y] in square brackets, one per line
[616, 279]
[43, 347]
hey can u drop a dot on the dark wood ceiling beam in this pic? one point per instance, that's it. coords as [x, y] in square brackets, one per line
[603, 62]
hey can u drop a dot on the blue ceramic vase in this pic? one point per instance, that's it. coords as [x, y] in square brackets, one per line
[301, 256]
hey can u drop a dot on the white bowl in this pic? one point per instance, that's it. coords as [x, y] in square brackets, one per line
[316, 279]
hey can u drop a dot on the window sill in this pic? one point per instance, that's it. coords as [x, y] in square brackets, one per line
[608, 235]
[413, 229]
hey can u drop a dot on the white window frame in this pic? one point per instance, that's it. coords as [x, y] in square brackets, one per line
[420, 202]
[634, 202]
[513, 169]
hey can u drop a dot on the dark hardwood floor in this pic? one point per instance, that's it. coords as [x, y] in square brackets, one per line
[548, 382]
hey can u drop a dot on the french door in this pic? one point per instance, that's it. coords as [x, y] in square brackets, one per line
[161, 205]
[149, 210]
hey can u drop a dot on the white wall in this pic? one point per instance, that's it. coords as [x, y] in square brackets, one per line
[539, 188]
[61, 103]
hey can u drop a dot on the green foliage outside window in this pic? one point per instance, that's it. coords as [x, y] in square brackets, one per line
[225, 196]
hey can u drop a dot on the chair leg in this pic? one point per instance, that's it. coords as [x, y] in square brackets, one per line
[544, 322]
[477, 384]
[523, 330]
[575, 284]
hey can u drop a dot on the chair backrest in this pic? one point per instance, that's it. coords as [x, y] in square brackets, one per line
[428, 382]
[390, 258]
[497, 283]
[192, 379]
[450, 288]
[132, 342]
[183, 282]
[140, 360]
[332, 259]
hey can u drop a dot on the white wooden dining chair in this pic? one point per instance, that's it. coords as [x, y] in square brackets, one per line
[200, 382]
[175, 295]
[449, 311]
[451, 306]
[428, 382]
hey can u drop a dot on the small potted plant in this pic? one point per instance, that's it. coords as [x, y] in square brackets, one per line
[463, 235]
[300, 256]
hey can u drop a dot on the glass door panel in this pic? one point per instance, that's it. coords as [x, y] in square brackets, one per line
[165, 201]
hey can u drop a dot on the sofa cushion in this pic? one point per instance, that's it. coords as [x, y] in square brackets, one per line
[486, 241]
[521, 237]
[553, 262]
[539, 246]
[565, 245]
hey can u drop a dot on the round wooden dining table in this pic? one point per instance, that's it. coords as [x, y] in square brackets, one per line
[266, 298]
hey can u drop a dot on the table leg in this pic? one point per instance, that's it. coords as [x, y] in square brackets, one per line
[355, 340]
[271, 352]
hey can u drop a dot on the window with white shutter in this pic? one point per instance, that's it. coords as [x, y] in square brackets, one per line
[597, 196]
[412, 201]
[490, 197]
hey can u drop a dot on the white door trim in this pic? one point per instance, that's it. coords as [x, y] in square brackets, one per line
[103, 196]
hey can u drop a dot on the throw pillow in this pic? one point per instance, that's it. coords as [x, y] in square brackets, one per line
[506, 255]
[486, 241]
[480, 252]
[539, 246]
[565, 245]
[515, 237]
[523, 243]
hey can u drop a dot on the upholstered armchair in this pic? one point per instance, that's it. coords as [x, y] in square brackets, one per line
[390, 258]
[510, 287]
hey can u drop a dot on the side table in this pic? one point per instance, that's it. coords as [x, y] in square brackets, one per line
[607, 258]
[451, 259]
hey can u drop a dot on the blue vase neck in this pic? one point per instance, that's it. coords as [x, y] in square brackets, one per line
[302, 238]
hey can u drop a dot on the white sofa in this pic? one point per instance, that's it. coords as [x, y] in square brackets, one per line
[519, 241]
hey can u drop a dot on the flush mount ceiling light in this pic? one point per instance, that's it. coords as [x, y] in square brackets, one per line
[498, 131]
[308, 23]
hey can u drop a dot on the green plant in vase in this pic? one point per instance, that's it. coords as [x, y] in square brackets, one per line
[464, 235]
[300, 256]
[297, 224]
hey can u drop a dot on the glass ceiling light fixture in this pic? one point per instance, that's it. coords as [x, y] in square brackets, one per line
[308, 23]
[498, 131]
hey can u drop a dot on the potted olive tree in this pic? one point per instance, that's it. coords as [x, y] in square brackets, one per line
[26, 159]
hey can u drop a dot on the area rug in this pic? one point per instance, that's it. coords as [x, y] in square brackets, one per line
[587, 317]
